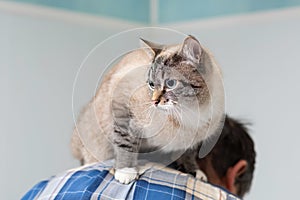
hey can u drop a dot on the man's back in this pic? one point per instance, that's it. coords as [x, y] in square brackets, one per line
[96, 181]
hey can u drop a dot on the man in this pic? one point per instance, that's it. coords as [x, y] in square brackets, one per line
[231, 162]
[229, 165]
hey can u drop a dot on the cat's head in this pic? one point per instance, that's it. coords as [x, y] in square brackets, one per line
[179, 74]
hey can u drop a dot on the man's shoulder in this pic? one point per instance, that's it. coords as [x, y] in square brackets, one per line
[180, 184]
[96, 181]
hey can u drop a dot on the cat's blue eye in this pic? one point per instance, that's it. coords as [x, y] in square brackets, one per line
[151, 85]
[171, 83]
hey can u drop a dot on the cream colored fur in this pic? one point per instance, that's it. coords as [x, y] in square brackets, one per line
[90, 141]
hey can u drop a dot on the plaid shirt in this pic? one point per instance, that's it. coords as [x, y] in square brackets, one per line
[96, 181]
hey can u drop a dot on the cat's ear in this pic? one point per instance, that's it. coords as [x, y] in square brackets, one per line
[191, 49]
[152, 49]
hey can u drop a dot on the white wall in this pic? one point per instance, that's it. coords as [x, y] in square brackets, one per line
[40, 58]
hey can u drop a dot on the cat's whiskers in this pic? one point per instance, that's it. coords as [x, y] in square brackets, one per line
[182, 106]
[149, 112]
[178, 114]
[175, 114]
[189, 110]
[146, 111]
[183, 117]
[199, 119]
[141, 105]
[145, 107]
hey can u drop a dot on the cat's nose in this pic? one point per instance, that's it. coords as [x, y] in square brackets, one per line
[156, 102]
[156, 95]
[162, 101]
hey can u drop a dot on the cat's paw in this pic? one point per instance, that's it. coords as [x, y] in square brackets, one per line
[126, 175]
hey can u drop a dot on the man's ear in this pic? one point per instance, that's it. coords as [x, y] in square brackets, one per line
[233, 172]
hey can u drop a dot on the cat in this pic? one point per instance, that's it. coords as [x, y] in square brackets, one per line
[165, 98]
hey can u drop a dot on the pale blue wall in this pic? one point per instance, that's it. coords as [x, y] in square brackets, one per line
[178, 10]
[169, 11]
[133, 10]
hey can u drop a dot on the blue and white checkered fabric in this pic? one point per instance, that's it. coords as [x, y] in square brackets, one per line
[96, 181]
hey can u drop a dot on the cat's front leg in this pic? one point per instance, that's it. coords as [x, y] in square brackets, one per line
[126, 146]
[126, 166]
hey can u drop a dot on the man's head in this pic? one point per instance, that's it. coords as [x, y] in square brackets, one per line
[231, 162]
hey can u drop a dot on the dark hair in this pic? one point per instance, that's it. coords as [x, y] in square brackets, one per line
[234, 144]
